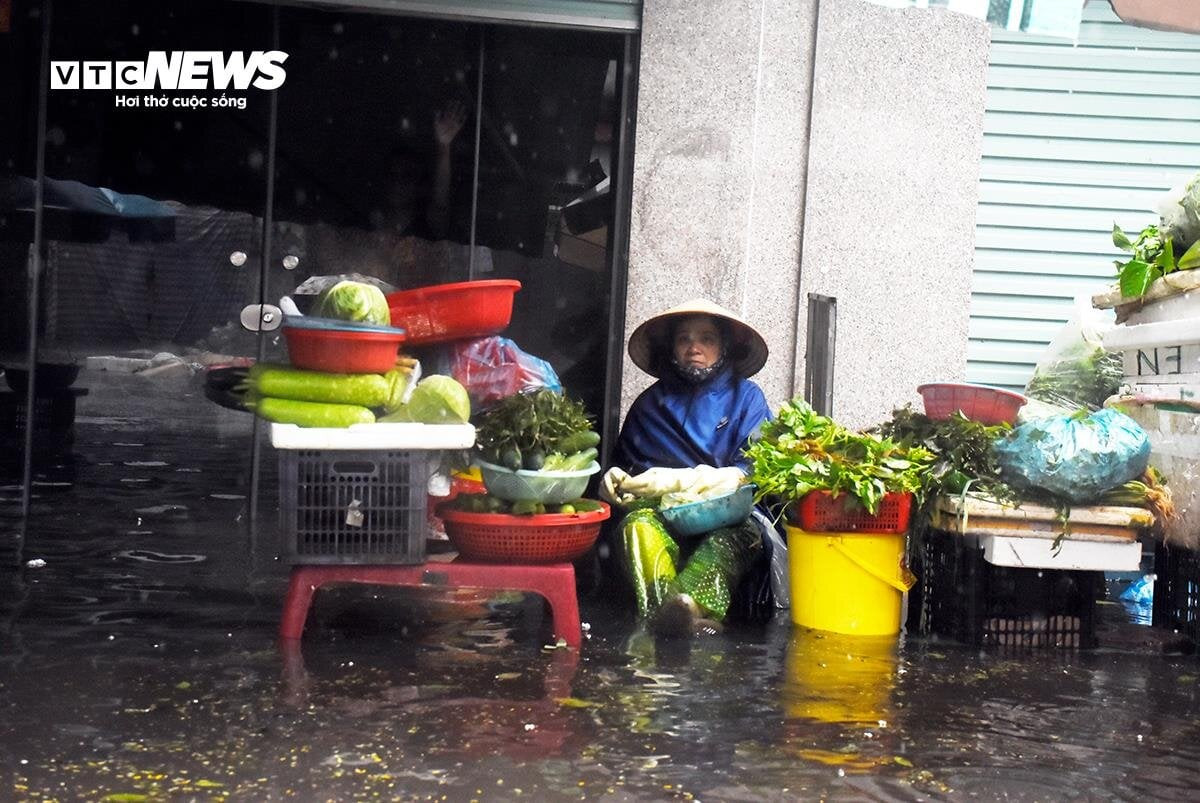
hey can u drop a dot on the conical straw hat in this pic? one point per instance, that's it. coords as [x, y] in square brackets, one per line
[747, 353]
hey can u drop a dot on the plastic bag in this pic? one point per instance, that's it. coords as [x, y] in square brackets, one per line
[494, 368]
[1075, 370]
[650, 557]
[713, 570]
[1072, 457]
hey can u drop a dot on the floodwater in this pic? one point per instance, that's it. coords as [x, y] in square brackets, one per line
[140, 663]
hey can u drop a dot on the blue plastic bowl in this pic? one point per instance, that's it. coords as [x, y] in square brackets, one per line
[695, 518]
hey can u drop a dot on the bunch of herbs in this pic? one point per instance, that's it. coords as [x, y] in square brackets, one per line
[963, 454]
[802, 451]
[536, 420]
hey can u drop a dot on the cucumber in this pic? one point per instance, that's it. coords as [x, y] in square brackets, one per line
[511, 458]
[579, 460]
[577, 442]
[364, 390]
[307, 413]
[533, 460]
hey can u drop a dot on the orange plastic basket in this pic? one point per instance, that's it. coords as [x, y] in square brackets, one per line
[505, 538]
[820, 512]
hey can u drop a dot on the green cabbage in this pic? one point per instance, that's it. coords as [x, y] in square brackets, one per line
[354, 301]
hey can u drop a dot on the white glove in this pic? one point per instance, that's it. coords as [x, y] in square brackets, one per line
[701, 482]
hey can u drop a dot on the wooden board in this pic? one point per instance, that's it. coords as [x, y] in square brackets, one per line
[988, 517]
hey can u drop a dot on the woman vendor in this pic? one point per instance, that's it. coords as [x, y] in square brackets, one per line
[695, 420]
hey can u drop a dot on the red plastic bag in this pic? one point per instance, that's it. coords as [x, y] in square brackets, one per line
[494, 368]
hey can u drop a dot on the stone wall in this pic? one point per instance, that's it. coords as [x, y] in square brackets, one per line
[885, 220]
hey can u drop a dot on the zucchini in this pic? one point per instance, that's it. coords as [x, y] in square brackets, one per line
[577, 442]
[307, 413]
[364, 390]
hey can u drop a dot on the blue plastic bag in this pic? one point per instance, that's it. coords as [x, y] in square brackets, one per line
[1078, 458]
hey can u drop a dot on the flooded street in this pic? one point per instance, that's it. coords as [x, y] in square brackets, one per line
[141, 663]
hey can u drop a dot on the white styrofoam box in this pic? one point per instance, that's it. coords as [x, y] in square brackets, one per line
[1157, 352]
[1174, 451]
[1187, 389]
[1179, 305]
[374, 436]
[1039, 553]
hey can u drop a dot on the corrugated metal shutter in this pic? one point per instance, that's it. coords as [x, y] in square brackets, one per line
[603, 15]
[1076, 137]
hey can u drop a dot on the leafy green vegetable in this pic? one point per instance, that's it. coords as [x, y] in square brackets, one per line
[801, 451]
[1153, 256]
[963, 455]
[354, 301]
[539, 420]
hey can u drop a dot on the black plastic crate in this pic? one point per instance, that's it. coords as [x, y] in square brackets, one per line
[965, 598]
[354, 506]
[1177, 590]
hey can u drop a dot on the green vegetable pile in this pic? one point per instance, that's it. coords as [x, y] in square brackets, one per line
[537, 430]
[962, 449]
[801, 451]
[1084, 378]
[486, 503]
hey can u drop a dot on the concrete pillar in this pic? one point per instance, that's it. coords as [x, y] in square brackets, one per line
[719, 184]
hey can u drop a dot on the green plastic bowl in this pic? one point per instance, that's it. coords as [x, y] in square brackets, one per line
[695, 518]
[547, 487]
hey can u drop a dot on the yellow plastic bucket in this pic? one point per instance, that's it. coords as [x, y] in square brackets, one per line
[851, 583]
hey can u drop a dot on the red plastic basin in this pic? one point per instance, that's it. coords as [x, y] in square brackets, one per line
[981, 403]
[442, 312]
[342, 352]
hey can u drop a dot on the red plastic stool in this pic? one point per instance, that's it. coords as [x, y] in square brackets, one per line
[555, 582]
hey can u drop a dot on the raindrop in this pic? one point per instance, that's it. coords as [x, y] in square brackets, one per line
[385, 58]
[459, 76]
[135, 29]
[255, 159]
[512, 139]
[338, 28]
[237, 258]
[290, 262]
[179, 125]
[504, 66]
[56, 136]
[301, 197]
[405, 124]
[333, 54]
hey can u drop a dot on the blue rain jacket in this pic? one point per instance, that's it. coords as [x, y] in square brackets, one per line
[674, 424]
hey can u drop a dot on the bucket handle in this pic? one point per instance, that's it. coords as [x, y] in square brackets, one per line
[903, 585]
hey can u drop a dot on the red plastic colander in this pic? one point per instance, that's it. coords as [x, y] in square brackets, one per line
[981, 403]
[505, 538]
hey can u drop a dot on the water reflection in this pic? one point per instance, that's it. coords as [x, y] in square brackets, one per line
[834, 678]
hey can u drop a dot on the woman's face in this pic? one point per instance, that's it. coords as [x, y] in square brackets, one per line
[697, 342]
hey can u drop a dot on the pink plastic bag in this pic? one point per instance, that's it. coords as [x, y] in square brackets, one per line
[494, 368]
